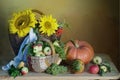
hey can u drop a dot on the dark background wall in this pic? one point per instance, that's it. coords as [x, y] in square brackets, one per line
[119, 35]
[95, 21]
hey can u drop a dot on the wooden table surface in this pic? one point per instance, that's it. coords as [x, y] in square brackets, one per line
[67, 76]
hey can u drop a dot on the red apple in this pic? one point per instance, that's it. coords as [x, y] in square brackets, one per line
[24, 70]
[94, 69]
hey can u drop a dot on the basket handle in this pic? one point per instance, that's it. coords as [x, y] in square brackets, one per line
[37, 11]
[43, 38]
[49, 42]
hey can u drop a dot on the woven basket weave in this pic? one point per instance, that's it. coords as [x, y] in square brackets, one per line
[40, 64]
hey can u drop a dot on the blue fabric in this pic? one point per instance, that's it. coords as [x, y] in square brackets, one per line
[21, 54]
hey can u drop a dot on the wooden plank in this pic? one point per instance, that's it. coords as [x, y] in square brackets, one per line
[67, 76]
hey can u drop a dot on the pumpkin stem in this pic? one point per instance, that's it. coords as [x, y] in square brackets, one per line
[76, 45]
[72, 42]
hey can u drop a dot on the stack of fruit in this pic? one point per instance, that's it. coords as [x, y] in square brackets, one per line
[99, 66]
[78, 53]
[40, 49]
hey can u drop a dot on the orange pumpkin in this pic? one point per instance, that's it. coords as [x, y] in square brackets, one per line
[79, 50]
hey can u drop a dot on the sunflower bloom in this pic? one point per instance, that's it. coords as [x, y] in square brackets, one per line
[48, 25]
[22, 22]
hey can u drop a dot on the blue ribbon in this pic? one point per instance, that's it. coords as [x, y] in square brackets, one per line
[22, 55]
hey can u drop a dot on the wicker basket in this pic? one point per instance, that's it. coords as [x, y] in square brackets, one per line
[40, 64]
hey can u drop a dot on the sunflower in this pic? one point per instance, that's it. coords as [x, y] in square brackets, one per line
[48, 25]
[22, 22]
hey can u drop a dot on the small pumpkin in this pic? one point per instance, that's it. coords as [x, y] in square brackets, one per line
[79, 50]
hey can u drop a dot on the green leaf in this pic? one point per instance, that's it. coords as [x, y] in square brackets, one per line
[14, 72]
[60, 51]
[100, 72]
[65, 24]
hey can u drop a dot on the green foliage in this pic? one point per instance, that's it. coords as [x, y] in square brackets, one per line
[14, 72]
[55, 69]
[107, 68]
[60, 50]
[64, 24]
[101, 72]
[45, 44]
[75, 65]
[36, 29]
[30, 50]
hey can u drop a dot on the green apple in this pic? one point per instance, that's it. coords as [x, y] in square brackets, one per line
[47, 51]
[104, 68]
[97, 60]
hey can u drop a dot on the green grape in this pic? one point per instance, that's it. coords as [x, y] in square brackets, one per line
[55, 69]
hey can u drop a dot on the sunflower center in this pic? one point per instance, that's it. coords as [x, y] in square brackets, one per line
[22, 22]
[47, 24]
